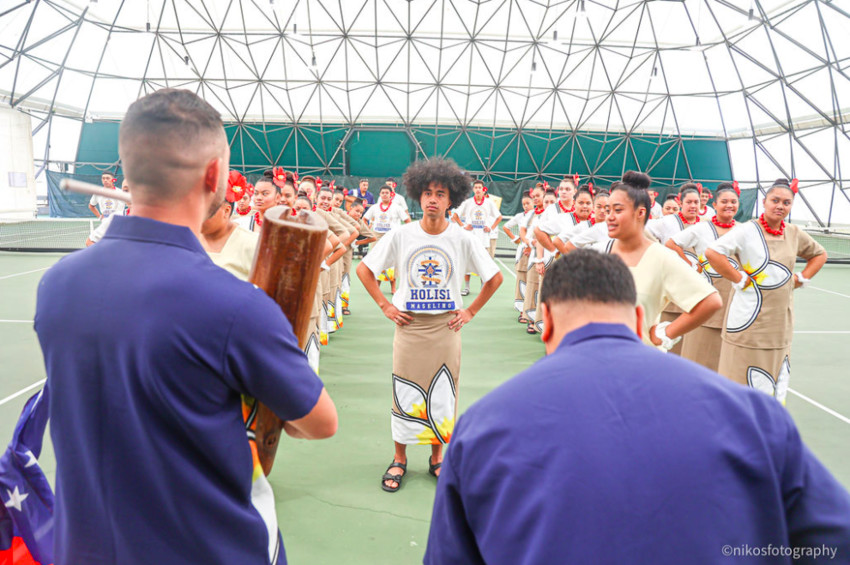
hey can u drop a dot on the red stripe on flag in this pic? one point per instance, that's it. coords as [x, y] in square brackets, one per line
[18, 554]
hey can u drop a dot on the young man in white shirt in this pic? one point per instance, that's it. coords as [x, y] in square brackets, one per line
[103, 207]
[427, 309]
[479, 216]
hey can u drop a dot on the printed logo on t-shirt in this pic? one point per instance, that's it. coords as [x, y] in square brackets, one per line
[429, 270]
[108, 206]
[478, 219]
[382, 223]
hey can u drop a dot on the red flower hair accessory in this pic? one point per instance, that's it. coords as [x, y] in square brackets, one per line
[795, 186]
[331, 185]
[590, 189]
[278, 177]
[237, 185]
[294, 178]
[736, 188]
[545, 185]
[699, 188]
[318, 183]
[576, 179]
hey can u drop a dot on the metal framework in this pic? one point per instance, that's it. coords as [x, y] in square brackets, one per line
[771, 78]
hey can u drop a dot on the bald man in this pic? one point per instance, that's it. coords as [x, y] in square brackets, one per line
[152, 461]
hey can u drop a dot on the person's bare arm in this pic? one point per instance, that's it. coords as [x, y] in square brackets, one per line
[688, 321]
[321, 423]
[367, 277]
[679, 251]
[95, 211]
[562, 247]
[495, 224]
[720, 263]
[456, 219]
[812, 267]
[462, 317]
[544, 239]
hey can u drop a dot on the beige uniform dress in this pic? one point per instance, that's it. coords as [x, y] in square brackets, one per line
[237, 255]
[702, 345]
[520, 261]
[532, 278]
[345, 283]
[661, 277]
[760, 320]
[334, 277]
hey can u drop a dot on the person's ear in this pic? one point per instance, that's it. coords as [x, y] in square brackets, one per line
[639, 314]
[211, 175]
[548, 322]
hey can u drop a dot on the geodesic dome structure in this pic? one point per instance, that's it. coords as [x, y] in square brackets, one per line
[709, 90]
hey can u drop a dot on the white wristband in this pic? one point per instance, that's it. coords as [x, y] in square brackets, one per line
[661, 333]
[516, 239]
[802, 280]
[740, 284]
[324, 266]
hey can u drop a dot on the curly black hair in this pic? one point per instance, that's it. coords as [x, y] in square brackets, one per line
[443, 172]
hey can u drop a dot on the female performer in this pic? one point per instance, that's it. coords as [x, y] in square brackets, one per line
[671, 205]
[522, 253]
[760, 322]
[532, 280]
[660, 276]
[664, 228]
[703, 344]
[431, 255]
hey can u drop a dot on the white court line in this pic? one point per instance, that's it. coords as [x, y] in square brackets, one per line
[817, 404]
[22, 391]
[829, 291]
[15, 321]
[510, 272]
[822, 332]
[38, 271]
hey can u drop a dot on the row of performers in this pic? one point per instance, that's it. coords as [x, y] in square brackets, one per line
[712, 290]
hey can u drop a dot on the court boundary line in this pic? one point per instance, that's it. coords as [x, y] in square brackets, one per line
[817, 404]
[510, 272]
[22, 391]
[38, 271]
[16, 321]
[829, 291]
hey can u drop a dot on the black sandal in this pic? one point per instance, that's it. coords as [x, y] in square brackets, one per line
[531, 329]
[522, 319]
[346, 312]
[432, 468]
[390, 477]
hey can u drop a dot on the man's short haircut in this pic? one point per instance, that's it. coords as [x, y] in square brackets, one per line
[589, 276]
[107, 174]
[358, 202]
[442, 172]
[385, 187]
[363, 180]
[164, 119]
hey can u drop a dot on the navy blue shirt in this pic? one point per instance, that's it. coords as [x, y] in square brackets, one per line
[148, 347]
[608, 451]
[367, 196]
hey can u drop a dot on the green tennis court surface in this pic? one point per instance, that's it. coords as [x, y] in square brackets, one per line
[330, 504]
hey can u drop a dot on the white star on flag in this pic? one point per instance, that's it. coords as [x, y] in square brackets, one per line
[15, 499]
[31, 460]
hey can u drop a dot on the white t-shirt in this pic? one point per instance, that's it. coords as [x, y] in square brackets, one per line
[398, 200]
[98, 232]
[429, 269]
[479, 216]
[382, 221]
[598, 233]
[553, 219]
[665, 228]
[656, 211]
[707, 214]
[243, 221]
[571, 231]
[108, 206]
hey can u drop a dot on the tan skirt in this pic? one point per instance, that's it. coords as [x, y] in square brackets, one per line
[767, 370]
[521, 281]
[492, 248]
[345, 283]
[426, 369]
[669, 317]
[702, 346]
[324, 290]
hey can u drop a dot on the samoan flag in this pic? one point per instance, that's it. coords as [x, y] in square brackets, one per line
[26, 515]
